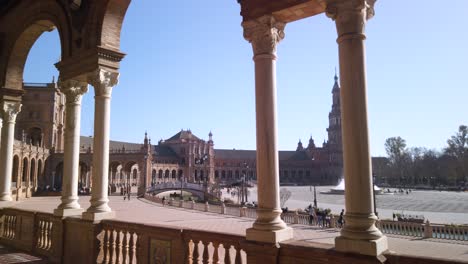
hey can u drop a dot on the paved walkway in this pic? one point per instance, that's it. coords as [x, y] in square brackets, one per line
[142, 211]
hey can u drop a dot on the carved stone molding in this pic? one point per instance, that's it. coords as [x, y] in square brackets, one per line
[103, 81]
[350, 15]
[73, 90]
[10, 110]
[264, 33]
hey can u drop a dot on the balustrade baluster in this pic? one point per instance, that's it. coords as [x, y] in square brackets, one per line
[40, 234]
[227, 254]
[215, 252]
[206, 254]
[195, 252]
[131, 242]
[111, 246]
[105, 246]
[124, 247]
[49, 235]
[238, 259]
[118, 248]
[9, 227]
[46, 235]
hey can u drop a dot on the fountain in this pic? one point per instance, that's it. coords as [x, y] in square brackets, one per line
[340, 188]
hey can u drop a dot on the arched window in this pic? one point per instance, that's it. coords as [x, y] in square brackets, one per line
[25, 170]
[160, 174]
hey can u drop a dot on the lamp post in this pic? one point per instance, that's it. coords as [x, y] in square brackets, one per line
[373, 194]
[315, 198]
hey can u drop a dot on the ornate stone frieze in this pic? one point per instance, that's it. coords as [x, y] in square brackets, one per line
[351, 15]
[73, 90]
[264, 33]
[10, 110]
[103, 81]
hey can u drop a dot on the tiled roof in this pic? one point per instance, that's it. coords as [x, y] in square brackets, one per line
[86, 142]
[183, 134]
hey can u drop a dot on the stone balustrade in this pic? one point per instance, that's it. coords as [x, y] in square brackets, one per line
[113, 242]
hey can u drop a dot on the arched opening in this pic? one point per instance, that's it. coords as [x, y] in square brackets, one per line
[134, 176]
[174, 175]
[39, 172]
[35, 136]
[160, 175]
[153, 177]
[58, 177]
[25, 171]
[21, 49]
[32, 175]
[15, 172]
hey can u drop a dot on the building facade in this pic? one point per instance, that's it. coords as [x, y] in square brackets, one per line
[38, 160]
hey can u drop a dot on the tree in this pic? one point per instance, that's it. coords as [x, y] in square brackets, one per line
[285, 194]
[398, 156]
[458, 148]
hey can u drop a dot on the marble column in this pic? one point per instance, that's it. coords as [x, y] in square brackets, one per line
[73, 91]
[265, 33]
[9, 111]
[103, 81]
[360, 234]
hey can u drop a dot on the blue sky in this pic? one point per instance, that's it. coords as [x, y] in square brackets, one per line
[188, 66]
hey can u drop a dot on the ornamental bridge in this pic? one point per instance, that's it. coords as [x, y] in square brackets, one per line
[199, 190]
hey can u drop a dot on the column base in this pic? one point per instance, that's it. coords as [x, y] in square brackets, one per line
[68, 212]
[6, 198]
[269, 236]
[365, 247]
[98, 216]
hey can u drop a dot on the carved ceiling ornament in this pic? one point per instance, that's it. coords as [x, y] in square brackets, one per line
[264, 33]
[350, 15]
[103, 81]
[10, 110]
[73, 90]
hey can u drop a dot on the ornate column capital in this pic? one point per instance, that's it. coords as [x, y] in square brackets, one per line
[264, 33]
[10, 110]
[350, 16]
[73, 90]
[103, 80]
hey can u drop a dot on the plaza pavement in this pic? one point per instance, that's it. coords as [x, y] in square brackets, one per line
[143, 211]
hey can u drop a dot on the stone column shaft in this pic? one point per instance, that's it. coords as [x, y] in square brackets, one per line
[9, 112]
[360, 233]
[103, 81]
[264, 33]
[73, 91]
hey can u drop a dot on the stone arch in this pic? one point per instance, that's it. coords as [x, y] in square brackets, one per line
[112, 23]
[36, 17]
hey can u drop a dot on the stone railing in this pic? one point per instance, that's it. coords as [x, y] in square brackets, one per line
[122, 242]
[39, 233]
[426, 230]
[211, 247]
[73, 240]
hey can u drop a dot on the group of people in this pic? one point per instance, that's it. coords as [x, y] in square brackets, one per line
[322, 218]
[125, 192]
